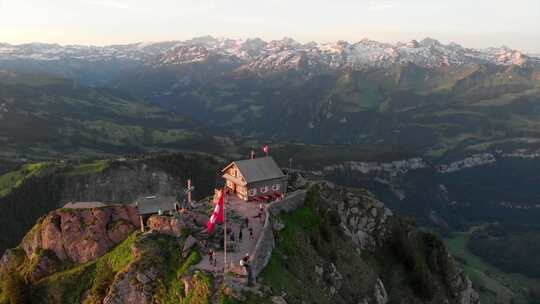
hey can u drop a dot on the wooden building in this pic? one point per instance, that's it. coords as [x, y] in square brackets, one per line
[256, 177]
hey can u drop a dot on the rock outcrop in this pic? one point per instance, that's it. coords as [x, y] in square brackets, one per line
[40, 265]
[135, 285]
[81, 235]
[363, 217]
[165, 225]
[139, 282]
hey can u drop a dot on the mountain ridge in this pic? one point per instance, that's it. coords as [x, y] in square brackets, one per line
[250, 52]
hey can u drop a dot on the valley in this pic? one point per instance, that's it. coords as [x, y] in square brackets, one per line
[493, 284]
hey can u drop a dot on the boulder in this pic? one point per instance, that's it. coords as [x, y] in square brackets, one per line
[278, 300]
[200, 219]
[188, 245]
[165, 225]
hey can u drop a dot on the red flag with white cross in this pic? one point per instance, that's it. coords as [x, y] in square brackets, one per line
[218, 216]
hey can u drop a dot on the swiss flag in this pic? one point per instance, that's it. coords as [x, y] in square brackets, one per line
[218, 216]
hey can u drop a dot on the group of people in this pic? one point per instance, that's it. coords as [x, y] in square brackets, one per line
[245, 225]
[234, 236]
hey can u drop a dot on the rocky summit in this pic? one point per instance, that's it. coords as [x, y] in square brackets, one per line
[326, 244]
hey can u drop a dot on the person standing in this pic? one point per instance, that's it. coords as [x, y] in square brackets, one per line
[261, 212]
[211, 256]
[214, 258]
[244, 262]
[240, 234]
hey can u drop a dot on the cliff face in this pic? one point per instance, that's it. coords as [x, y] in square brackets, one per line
[121, 183]
[338, 245]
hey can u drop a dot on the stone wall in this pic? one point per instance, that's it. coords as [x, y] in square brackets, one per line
[262, 252]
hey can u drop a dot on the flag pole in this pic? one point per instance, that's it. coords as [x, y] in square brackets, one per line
[224, 231]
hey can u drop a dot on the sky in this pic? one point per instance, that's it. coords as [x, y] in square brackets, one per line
[472, 23]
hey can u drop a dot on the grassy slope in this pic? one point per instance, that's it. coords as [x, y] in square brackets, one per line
[14, 179]
[67, 286]
[309, 241]
[413, 265]
[96, 277]
[89, 168]
[495, 286]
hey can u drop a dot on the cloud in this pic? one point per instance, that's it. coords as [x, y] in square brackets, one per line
[109, 3]
[382, 5]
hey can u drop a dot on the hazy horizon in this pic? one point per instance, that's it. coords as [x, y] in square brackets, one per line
[477, 24]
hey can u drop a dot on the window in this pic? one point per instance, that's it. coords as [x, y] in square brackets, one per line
[276, 187]
[264, 189]
[252, 192]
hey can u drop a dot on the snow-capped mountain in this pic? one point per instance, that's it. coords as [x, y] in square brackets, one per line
[256, 55]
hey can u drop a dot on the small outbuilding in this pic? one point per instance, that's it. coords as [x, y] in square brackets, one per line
[84, 205]
[256, 177]
[150, 205]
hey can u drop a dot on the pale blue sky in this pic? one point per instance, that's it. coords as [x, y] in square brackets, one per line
[473, 23]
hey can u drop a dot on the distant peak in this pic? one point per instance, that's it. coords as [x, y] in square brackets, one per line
[289, 41]
[204, 39]
[455, 45]
[413, 44]
[429, 42]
